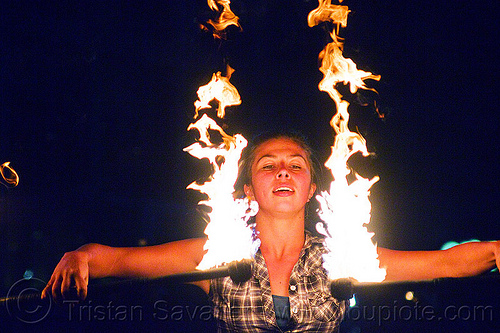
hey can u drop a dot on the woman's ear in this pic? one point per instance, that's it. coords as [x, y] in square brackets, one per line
[312, 190]
[248, 191]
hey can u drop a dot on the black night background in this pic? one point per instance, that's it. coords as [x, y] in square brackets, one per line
[95, 99]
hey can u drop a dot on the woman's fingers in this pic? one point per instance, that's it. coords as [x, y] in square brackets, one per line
[69, 279]
[66, 285]
[56, 290]
[48, 288]
[81, 284]
[496, 253]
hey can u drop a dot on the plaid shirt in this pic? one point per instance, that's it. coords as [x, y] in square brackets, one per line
[248, 306]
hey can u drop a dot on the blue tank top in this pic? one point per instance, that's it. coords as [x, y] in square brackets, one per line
[282, 310]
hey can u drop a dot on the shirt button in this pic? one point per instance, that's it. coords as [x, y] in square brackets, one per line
[295, 310]
[293, 287]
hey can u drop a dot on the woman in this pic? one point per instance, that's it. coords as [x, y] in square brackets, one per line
[289, 286]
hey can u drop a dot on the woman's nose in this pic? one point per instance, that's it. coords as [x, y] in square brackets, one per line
[283, 173]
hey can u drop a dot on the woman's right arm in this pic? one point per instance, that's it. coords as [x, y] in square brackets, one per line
[97, 261]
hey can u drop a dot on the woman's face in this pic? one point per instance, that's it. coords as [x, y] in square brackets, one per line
[281, 177]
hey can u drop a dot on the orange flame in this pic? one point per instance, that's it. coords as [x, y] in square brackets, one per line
[220, 89]
[230, 236]
[328, 12]
[226, 17]
[9, 175]
[345, 208]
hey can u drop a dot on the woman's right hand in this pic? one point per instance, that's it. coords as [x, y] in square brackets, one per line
[70, 275]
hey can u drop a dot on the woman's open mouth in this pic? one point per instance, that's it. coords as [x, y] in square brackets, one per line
[283, 189]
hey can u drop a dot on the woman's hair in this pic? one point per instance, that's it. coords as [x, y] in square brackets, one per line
[248, 156]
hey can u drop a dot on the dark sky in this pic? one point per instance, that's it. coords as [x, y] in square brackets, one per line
[95, 100]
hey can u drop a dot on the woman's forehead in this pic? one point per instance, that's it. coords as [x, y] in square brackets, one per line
[273, 147]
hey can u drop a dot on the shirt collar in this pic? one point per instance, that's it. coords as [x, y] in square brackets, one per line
[304, 265]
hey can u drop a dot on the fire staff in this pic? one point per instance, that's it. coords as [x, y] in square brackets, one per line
[289, 288]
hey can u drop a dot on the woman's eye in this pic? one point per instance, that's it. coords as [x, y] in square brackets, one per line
[296, 167]
[268, 167]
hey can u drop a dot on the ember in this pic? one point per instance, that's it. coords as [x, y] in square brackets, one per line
[9, 175]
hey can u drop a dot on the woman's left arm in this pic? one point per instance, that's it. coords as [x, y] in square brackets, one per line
[466, 259]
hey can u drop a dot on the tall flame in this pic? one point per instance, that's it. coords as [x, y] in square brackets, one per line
[9, 175]
[230, 236]
[345, 208]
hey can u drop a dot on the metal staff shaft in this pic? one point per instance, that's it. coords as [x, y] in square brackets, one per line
[239, 271]
[345, 288]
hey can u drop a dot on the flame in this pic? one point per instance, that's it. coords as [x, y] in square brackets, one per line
[9, 175]
[328, 12]
[220, 89]
[345, 208]
[225, 19]
[230, 236]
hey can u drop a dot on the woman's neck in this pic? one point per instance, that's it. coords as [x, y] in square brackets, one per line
[281, 243]
[280, 236]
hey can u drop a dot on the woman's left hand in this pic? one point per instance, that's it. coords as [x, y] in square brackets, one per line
[497, 253]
